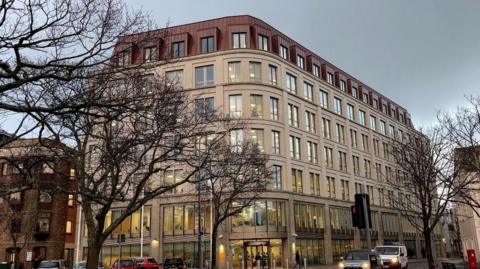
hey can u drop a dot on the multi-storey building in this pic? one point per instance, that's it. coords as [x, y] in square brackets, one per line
[37, 223]
[326, 132]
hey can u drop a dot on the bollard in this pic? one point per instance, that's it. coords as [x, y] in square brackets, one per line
[305, 263]
[258, 264]
[287, 263]
[228, 265]
[274, 264]
[243, 263]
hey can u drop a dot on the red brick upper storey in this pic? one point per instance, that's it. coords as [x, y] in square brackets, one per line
[132, 49]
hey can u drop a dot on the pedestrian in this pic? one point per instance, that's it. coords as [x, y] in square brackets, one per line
[36, 262]
[257, 259]
[298, 260]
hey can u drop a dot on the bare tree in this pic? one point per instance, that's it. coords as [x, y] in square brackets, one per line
[234, 178]
[426, 181]
[121, 152]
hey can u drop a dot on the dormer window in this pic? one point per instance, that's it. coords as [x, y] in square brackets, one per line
[178, 49]
[301, 62]
[365, 97]
[149, 54]
[354, 92]
[239, 40]
[123, 58]
[262, 42]
[330, 78]
[284, 52]
[207, 44]
[343, 85]
[316, 70]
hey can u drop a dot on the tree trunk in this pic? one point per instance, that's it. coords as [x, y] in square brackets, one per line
[428, 249]
[213, 262]
[94, 247]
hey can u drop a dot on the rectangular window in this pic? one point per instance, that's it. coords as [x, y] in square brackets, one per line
[382, 127]
[365, 143]
[386, 152]
[277, 177]
[373, 123]
[124, 58]
[340, 133]
[297, 184]
[310, 121]
[367, 168]
[312, 152]
[345, 190]
[235, 106]
[331, 187]
[236, 140]
[323, 99]
[376, 147]
[272, 74]
[358, 188]
[234, 71]
[43, 222]
[391, 131]
[255, 71]
[291, 83]
[70, 201]
[239, 40]
[284, 52]
[300, 62]
[378, 170]
[343, 85]
[316, 70]
[326, 128]
[361, 116]
[293, 115]
[204, 76]
[294, 147]
[342, 161]
[356, 165]
[256, 106]
[149, 54]
[354, 92]
[178, 49]
[315, 184]
[204, 108]
[337, 106]
[328, 154]
[329, 78]
[256, 138]
[275, 142]
[68, 227]
[274, 108]
[353, 138]
[262, 42]
[207, 44]
[308, 91]
[350, 112]
[174, 77]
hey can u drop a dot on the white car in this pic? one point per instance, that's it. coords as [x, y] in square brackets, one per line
[393, 256]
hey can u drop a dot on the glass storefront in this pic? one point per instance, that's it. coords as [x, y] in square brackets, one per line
[263, 215]
[309, 218]
[186, 250]
[183, 219]
[312, 249]
[109, 254]
[340, 247]
[249, 253]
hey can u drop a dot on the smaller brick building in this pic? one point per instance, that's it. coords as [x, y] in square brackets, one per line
[37, 222]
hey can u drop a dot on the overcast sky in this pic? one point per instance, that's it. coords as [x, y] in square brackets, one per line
[425, 55]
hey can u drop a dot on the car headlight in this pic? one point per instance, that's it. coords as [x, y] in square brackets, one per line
[341, 265]
[365, 265]
[394, 260]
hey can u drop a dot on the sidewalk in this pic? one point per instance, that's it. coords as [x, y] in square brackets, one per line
[413, 263]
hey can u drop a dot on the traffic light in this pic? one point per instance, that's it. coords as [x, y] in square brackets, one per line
[358, 211]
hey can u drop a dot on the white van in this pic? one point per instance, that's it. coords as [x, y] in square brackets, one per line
[393, 256]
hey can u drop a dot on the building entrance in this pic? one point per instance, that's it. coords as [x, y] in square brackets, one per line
[257, 254]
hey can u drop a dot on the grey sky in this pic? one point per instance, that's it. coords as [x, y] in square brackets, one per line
[425, 55]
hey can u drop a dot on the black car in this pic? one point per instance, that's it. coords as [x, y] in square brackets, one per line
[174, 263]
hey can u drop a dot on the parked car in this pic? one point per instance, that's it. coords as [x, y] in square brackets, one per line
[393, 256]
[174, 263]
[127, 263]
[361, 258]
[146, 263]
[52, 264]
[83, 265]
